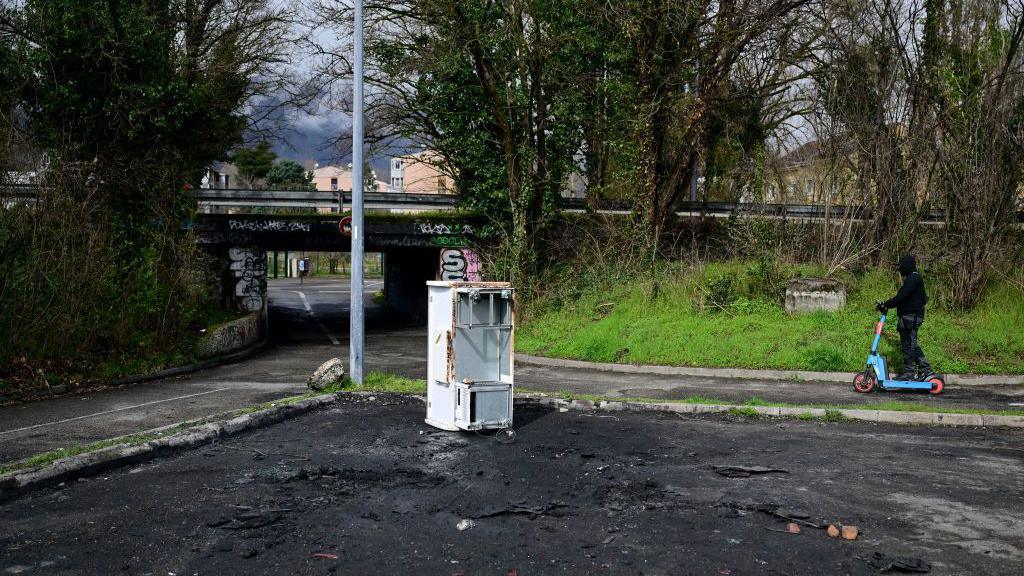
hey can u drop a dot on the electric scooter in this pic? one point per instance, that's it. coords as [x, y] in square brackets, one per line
[876, 375]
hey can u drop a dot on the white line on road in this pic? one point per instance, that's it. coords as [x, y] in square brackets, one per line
[318, 322]
[112, 411]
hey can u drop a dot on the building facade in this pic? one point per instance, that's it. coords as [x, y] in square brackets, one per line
[420, 173]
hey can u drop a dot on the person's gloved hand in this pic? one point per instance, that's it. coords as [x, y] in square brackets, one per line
[881, 307]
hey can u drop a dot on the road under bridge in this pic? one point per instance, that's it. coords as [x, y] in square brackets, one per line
[414, 249]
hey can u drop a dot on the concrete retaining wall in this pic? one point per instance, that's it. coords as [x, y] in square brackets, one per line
[231, 336]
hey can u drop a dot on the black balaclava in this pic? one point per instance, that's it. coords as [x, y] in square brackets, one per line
[907, 265]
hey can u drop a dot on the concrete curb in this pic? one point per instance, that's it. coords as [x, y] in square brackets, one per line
[885, 416]
[18, 482]
[750, 374]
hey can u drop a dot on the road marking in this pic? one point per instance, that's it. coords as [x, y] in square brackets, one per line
[318, 322]
[112, 411]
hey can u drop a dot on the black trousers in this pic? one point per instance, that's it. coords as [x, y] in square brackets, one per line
[913, 356]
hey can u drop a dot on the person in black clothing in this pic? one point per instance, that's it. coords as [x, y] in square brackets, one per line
[909, 303]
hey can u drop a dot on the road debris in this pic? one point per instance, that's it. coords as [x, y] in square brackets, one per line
[523, 508]
[833, 532]
[314, 473]
[325, 556]
[795, 517]
[849, 532]
[249, 520]
[732, 471]
[793, 528]
[886, 563]
[465, 524]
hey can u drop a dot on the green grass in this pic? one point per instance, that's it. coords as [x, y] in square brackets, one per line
[53, 455]
[383, 382]
[832, 415]
[618, 321]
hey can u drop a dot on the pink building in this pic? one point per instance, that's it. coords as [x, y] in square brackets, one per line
[334, 178]
[420, 173]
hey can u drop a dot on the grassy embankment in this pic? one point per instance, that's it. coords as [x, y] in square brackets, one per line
[688, 325]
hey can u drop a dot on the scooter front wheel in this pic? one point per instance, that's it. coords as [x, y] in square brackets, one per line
[937, 385]
[864, 382]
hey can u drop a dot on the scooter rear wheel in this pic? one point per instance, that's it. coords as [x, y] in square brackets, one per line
[864, 382]
[937, 385]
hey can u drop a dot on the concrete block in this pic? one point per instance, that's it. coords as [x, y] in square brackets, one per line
[230, 337]
[330, 372]
[814, 294]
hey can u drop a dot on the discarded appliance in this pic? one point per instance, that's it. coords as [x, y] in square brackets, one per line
[469, 359]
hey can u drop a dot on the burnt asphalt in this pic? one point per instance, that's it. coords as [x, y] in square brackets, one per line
[576, 493]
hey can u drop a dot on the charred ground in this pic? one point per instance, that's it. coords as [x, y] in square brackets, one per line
[576, 493]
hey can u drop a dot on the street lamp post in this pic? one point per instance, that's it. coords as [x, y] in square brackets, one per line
[356, 325]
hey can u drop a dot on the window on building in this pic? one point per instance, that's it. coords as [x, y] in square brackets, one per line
[227, 182]
[334, 184]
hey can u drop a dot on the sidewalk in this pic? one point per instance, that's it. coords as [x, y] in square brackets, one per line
[752, 374]
[670, 383]
[81, 419]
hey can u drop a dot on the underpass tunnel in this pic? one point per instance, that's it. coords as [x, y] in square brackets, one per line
[395, 286]
[315, 308]
[406, 273]
[258, 259]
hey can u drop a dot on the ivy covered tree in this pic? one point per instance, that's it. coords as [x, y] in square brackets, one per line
[289, 175]
[254, 164]
[130, 100]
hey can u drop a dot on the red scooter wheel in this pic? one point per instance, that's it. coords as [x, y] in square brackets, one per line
[937, 385]
[864, 382]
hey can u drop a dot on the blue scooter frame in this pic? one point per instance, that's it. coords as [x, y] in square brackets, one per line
[877, 372]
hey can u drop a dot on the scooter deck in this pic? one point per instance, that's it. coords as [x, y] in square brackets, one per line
[904, 385]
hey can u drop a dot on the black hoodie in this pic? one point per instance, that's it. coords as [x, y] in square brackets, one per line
[911, 298]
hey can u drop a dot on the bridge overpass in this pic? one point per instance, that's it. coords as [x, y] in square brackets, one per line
[414, 249]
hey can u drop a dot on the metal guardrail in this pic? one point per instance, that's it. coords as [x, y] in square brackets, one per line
[321, 200]
[26, 194]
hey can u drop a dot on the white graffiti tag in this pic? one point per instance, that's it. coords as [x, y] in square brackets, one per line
[426, 228]
[250, 270]
[460, 264]
[269, 225]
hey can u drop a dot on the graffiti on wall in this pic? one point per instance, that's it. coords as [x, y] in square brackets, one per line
[460, 264]
[269, 225]
[249, 268]
[427, 228]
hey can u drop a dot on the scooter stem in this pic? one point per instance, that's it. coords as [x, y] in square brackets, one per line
[878, 334]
